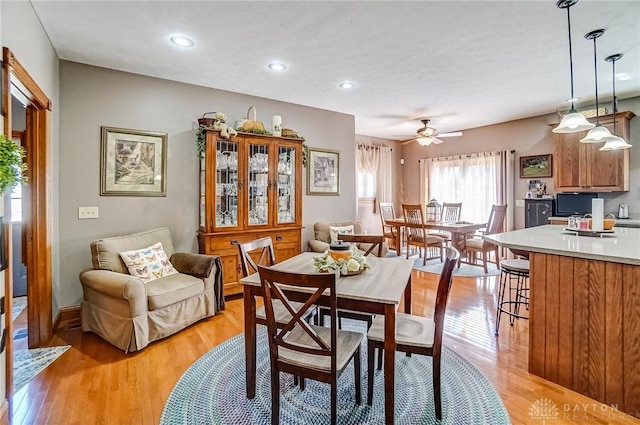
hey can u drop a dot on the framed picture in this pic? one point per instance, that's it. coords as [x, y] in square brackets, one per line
[323, 176]
[133, 162]
[536, 166]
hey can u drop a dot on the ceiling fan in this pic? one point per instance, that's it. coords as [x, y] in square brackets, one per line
[428, 135]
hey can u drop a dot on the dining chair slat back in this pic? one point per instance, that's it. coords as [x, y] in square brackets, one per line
[373, 241]
[387, 212]
[420, 335]
[451, 211]
[262, 249]
[416, 234]
[302, 349]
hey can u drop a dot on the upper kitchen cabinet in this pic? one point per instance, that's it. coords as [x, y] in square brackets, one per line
[582, 167]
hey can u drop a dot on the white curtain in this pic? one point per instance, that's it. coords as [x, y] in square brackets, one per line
[376, 160]
[475, 180]
[384, 176]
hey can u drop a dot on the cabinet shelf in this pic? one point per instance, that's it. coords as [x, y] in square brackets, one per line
[250, 187]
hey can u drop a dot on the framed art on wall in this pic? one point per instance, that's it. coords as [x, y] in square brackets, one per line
[323, 176]
[133, 162]
[536, 166]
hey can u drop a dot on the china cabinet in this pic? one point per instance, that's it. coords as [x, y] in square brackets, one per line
[582, 167]
[250, 187]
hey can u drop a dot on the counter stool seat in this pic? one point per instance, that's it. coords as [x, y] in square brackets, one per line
[516, 273]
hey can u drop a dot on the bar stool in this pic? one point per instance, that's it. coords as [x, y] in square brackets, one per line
[516, 274]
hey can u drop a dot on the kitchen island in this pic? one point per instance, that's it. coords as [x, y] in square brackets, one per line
[584, 330]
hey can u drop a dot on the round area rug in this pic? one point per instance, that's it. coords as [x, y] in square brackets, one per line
[212, 391]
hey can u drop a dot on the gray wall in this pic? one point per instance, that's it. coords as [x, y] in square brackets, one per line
[92, 97]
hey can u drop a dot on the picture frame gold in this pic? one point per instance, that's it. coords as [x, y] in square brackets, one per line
[536, 166]
[323, 172]
[133, 162]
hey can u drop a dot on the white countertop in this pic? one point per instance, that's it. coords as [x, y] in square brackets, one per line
[623, 246]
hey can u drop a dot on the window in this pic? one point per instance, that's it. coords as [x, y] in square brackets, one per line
[16, 204]
[366, 185]
[472, 179]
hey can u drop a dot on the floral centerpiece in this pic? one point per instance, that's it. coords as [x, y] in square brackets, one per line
[355, 264]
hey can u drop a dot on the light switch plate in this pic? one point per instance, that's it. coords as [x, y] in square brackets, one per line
[85, 213]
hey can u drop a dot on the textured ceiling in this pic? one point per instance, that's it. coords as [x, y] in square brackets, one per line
[464, 64]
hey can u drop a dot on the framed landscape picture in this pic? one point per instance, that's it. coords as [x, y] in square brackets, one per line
[536, 166]
[323, 176]
[133, 162]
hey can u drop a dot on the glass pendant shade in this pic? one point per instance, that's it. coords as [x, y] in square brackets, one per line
[573, 122]
[424, 141]
[597, 134]
[615, 143]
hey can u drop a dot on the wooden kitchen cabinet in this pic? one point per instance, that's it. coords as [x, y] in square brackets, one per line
[582, 167]
[250, 187]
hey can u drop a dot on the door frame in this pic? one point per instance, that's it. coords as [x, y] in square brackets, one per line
[37, 214]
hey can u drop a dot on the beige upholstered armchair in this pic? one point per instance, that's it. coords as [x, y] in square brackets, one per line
[130, 312]
[322, 236]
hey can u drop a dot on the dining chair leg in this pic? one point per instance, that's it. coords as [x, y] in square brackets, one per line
[380, 357]
[302, 386]
[484, 262]
[371, 352]
[436, 386]
[497, 258]
[334, 402]
[358, 376]
[275, 397]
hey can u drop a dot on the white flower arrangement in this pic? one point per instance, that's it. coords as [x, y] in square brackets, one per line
[326, 264]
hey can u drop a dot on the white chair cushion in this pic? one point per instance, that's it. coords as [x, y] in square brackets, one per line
[348, 343]
[412, 330]
[474, 243]
[517, 265]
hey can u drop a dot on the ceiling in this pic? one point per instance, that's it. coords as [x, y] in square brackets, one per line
[463, 64]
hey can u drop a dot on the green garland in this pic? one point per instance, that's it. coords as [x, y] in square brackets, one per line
[12, 168]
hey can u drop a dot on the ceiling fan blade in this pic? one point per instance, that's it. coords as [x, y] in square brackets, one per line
[409, 141]
[452, 134]
[436, 141]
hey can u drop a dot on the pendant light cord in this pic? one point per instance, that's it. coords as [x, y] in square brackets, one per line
[615, 101]
[595, 68]
[570, 55]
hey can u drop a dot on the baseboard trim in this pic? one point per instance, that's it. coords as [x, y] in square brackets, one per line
[67, 318]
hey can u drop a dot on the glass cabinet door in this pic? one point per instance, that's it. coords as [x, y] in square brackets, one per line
[226, 164]
[286, 185]
[258, 184]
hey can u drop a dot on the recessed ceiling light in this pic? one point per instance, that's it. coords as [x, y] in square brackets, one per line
[575, 99]
[182, 41]
[277, 66]
[346, 85]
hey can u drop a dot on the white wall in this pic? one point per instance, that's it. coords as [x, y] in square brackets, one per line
[530, 136]
[92, 97]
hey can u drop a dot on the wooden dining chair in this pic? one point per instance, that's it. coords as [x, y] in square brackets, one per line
[477, 245]
[387, 212]
[301, 349]
[416, 334]
[371, 242]
[416, 234]
[450, 213]
[261, 252]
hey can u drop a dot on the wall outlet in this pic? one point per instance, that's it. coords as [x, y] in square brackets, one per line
[85, 213]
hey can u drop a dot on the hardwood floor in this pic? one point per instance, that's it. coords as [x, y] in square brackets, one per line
[95, 383]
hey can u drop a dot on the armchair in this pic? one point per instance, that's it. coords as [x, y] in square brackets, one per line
[130, 313]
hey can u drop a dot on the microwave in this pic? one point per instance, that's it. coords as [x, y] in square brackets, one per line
[568, 204]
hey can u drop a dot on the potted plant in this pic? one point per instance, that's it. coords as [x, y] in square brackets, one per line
[12, 168]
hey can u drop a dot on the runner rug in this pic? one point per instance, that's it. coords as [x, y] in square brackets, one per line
[28, 363]
[212, 391]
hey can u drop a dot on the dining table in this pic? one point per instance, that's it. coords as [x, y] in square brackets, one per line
[459, 230]
[378, 290]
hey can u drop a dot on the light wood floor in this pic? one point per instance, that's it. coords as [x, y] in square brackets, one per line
[95, 383]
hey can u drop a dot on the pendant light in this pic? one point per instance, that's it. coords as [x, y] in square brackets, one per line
[573, 121]
[615, 142]
[599, 133]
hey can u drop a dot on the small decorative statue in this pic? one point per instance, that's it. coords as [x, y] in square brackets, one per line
[219, 123]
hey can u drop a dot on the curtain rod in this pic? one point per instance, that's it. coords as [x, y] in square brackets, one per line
[373, 147]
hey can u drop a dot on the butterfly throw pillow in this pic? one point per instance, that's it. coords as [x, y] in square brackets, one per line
[148, 263]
